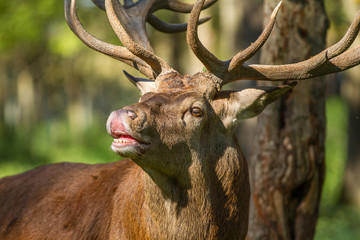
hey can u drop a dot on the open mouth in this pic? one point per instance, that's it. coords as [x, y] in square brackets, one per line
[124, 142]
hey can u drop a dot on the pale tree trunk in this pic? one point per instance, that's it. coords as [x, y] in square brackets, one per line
[287, 159]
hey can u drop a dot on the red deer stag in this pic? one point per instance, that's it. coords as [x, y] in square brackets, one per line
[187, 177]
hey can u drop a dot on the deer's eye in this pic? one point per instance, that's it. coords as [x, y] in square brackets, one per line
[196, 112]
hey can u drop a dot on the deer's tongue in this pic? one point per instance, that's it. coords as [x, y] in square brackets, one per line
[121, 137]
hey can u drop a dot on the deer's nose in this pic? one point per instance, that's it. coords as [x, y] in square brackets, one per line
[117, 120]
[123, 113]
[131, 114]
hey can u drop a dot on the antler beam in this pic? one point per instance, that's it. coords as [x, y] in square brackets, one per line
[297, 71]
[128, 22]
[333, 59]
[336, 58]
[130, 28]
[118, 52]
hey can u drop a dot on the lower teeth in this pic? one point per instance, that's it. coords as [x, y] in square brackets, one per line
[120, 141]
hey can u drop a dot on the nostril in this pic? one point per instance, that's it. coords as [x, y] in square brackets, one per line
[132, 114]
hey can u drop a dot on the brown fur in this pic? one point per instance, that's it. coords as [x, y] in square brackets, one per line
[192, 183]
[106, 201]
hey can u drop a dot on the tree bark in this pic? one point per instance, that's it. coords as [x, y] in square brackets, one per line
[287, 159]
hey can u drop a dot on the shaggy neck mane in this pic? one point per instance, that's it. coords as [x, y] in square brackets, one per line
[209, 199]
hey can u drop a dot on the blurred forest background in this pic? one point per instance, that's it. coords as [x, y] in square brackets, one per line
[56, 93]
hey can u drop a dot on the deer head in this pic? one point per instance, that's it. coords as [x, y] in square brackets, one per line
[180, 119]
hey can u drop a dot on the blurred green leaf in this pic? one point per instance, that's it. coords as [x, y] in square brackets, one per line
[335, 151]
[23, 22]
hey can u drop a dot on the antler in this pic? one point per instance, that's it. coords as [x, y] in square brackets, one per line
[333, 59]
[128, 22]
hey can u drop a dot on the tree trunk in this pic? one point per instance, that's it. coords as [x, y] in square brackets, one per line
[287, 159]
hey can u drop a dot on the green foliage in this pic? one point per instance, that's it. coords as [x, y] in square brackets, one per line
[62, 41]
[53, 142]
[335, 151]
[336, 13]
[22, 22]
[48, 81]
[338, 223]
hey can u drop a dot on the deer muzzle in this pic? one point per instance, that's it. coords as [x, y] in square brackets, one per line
[125, 142]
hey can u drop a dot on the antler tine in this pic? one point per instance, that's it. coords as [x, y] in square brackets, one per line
[181, 7]
[325, 62]
[158, 24]
[130, 28]
[128, 3]
[131, 16]
[340, 47]
[212, 63]
[246, 54]
[128, 22]
[117, 52]
[162, 26]
[99, 3]
[342, 62]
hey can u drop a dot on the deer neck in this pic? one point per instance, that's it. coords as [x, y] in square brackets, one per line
[206, 201]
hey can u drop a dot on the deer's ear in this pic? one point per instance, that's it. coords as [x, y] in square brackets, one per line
[247, 103]
[144, 85]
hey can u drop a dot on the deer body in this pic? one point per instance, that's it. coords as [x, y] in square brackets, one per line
[187, 177]
[107, 201]
[204, 196]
